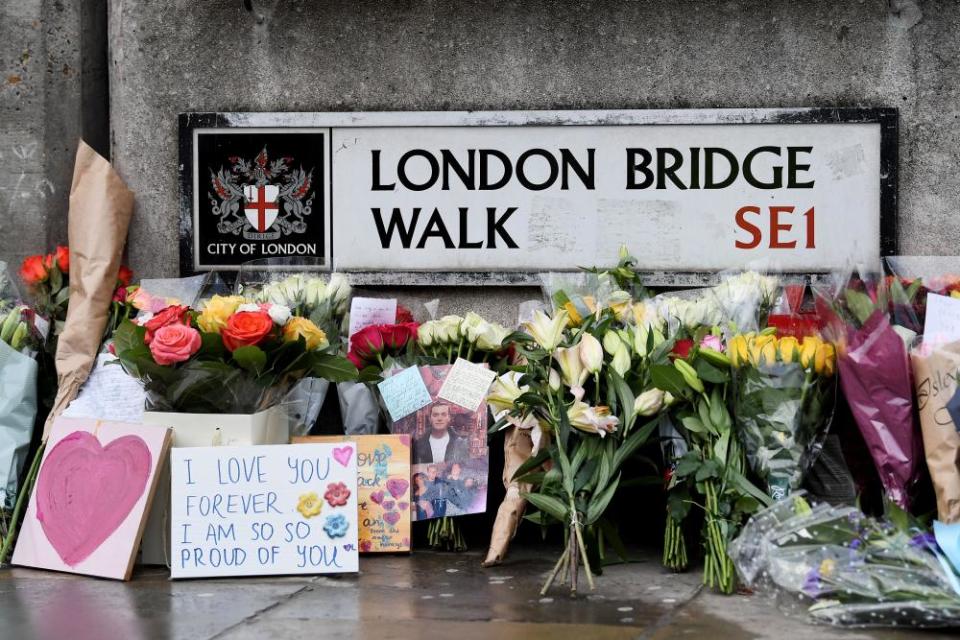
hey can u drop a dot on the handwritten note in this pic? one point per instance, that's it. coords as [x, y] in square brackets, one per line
[404, 393]
[264, 510]
[942, 324]
[365, 312]
[383, 495]
[467, 384]
[108, 394]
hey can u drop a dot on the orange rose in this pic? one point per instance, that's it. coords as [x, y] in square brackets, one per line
[246, 328]
[33, 271]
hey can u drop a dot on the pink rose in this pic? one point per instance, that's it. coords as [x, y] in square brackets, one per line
[174, 343]
[712, 342]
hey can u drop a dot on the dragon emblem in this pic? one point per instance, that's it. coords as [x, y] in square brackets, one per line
[261, 198]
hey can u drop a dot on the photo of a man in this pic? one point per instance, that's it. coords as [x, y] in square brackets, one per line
[440, 443]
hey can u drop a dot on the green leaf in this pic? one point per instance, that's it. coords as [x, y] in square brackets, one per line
[610, 532]
[633, 442]
[211, 346]
[128, 336]
[550, 505]
[251, 358]
[709, 469]
[531, 463]
[860, 305]
[566, 471]
[624, 397]
[709, 372]
[693, 424]
[600, 502]
[667, 378]
[748, 487]
[332, 368]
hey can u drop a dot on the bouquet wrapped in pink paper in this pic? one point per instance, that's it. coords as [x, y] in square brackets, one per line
[869, 318]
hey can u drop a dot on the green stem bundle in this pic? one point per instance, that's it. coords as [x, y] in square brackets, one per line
[444, 533]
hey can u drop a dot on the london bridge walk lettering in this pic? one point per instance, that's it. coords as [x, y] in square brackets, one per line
[517, 192]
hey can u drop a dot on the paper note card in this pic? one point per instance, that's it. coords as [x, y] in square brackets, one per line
[369, 311]
[943, 320]
[110, 393]
[404, 393]
[467, 384]
[263, 510]
[383, 494]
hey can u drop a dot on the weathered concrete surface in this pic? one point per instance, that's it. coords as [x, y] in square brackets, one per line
[170, 57]
[53, 91]
[427, 595]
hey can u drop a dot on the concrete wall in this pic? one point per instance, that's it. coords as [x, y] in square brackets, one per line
[53, 90]
[215, 55]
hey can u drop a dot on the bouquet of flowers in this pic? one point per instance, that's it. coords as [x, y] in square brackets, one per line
[872, 322]
[710, 461]
[233, 356]
[783, 402]
[585, 385]
[325, 302]
[838, 566]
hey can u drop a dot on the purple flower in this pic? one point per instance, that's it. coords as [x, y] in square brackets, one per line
[924, 540]
[811, 584]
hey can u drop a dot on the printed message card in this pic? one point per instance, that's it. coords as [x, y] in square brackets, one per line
[264, 510]
[383, 495]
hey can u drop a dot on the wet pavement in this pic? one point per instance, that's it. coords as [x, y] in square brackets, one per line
[426, 595]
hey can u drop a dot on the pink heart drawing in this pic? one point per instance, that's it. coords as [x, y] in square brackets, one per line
[397, 487]
[85, 491]
[342, 454]
[377, 496]
[403, 506]
[388, 505]
[405, 439]
[391, 517]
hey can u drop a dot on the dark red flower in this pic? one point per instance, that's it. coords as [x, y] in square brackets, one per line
[403, 314]
[120, 295]
[124, 275]
[681, 348]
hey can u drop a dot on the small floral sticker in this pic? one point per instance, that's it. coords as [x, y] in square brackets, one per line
[309, 505]
[337, 494]
[336, 526]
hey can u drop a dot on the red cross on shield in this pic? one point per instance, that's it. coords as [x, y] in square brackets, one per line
[261, 208]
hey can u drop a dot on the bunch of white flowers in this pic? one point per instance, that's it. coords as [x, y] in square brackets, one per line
[305, 295]
[454, 331]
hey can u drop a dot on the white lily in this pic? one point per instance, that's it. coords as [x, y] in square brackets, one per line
[547, 331]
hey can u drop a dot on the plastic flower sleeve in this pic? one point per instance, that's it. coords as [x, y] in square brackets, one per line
[835, 565]
[746, 298]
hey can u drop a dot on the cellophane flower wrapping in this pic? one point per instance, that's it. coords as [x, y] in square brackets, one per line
[870, 319]
[19, 340]
[783, 402]
[835, 565]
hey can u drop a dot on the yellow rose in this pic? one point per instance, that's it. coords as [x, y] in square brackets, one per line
[216, 311]
[738, 350]
[309, 505]
[808, 351]
[297, 327]
[823, 360]
[768, 351]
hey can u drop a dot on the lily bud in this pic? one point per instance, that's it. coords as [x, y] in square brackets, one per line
[611, 342]
[649, 402]
[554, 380]
[621, 361]
[591, 353]
[571, 366]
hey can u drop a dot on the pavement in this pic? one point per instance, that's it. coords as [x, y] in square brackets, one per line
[424, 595]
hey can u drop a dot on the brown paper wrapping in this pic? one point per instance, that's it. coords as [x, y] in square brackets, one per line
[517, 449]
[100, 210]
[934, 378]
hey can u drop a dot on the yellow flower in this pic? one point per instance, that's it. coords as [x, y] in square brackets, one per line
[297, 327]
[309, 505]
[824, 359]
[788, 347]
[738, 350]
[216, 311]
[809, 351]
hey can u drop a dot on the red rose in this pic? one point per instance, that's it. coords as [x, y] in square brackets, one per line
[120, 295]
[396, 336]
[33, 271]
[174, 343]
[246, 328]
[337, 494]
[366, 343]
[124, 275]
[403, 314]
[174, 314]
[356, 360]
[63, 259]
[682, 348]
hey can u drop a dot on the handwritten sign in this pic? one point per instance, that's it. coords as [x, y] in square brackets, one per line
[263, 510]
[365, 312]
[383, 494]
[108, 394]
[404, 393]
[942, 323]
[467, 384]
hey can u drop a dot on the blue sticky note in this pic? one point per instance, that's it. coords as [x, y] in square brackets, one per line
[404, 393]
